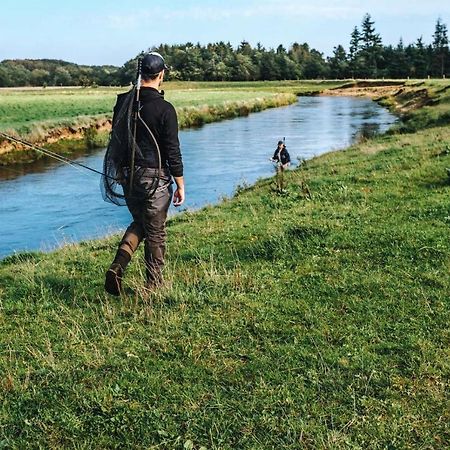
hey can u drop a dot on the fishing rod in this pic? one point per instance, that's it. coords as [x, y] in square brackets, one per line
[53, 155]
[136, 116]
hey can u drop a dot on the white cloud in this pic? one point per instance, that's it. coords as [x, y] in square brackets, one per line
[255, 9]
[263, 9]
[122, 21]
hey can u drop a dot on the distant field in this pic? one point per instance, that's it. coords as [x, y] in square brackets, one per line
[22, 110]
[27, 110]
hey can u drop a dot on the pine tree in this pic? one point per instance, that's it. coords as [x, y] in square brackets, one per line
[245, 48]
[355, 48]
[269, 68]
[400, 66]
[440, 46]
[388, 66]
[281, 50]
[338, 63]
[420, 59]
[371, 46]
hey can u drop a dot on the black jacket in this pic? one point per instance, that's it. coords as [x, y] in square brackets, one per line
[282, 156]
[161, 118]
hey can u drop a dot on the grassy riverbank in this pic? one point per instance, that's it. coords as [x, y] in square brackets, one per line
[420, 103]
[60, 116]
[314, 319]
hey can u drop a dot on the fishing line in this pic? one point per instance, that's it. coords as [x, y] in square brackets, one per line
[49, 153]
[45, 152]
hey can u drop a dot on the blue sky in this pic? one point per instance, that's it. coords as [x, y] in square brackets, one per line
[111, 32]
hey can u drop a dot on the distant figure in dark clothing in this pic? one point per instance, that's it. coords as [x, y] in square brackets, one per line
[282, 158]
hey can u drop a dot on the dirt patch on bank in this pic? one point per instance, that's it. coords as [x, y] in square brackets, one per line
[399, 96]
[102, 125]
[366, 90]
[73, 132]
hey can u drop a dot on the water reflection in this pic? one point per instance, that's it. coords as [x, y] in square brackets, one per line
[366, 131]
[41, 165]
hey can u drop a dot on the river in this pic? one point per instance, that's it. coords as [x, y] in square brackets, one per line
[47, 204]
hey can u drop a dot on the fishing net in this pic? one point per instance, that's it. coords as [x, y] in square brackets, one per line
[122, 143]
[121, 178]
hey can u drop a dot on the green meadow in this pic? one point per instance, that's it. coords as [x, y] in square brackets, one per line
[316, 318]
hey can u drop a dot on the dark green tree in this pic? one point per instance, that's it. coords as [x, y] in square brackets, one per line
[417, 59]
[39, 77]
[5, 80]
[315, 66]
[440, 48]
[354, 54]
[338, 63]
[269, 68]
[242, 68]
[245, 48]
[420, 59]
[19, 74]
[398, 65]
[371, 48]
[299, 54]
[127, 73]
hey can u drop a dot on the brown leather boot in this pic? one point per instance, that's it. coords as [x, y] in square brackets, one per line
[113, 279]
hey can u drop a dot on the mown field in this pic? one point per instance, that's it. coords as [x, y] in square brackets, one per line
[317, 318]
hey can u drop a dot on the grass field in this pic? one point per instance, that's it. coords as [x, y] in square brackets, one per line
[24, 110]
[313, 319]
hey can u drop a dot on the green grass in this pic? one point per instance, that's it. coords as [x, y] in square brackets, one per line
[287, 321]
[294, 87]
[23, 110]
[421, 103]
[26, 110]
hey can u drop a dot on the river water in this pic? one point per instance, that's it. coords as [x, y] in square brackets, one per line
[47, 204]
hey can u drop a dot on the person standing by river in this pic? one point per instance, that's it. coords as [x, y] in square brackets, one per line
[142, 157]
[282, 159]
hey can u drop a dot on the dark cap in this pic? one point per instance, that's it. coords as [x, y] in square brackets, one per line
[280, 142]
[153, 63]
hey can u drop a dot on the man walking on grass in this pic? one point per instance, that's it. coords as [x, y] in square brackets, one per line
[144, 155]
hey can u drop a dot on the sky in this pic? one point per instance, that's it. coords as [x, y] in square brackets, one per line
[112, 32]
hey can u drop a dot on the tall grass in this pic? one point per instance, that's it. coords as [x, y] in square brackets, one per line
[198, 115]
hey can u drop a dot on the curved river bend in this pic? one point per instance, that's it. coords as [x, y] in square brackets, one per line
[52, 204]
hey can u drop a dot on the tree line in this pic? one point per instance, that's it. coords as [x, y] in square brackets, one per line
[366, 57]
[51, 72]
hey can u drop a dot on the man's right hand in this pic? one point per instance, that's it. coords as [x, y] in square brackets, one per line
[178, 196]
